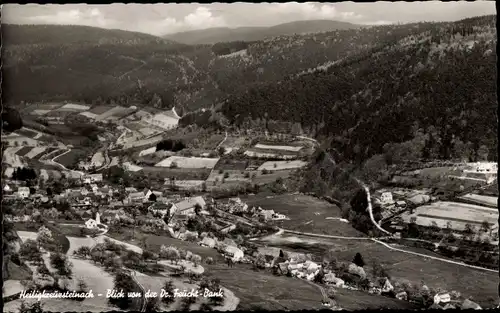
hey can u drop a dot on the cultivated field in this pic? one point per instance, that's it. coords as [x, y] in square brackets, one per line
[27, 132]
[131, 167]
[35, 152]
[189, 162]
[268, 155]
[97, 159]
[306, 213]
[117, 110]
[481, 285]
[100, 109]
[74, 107]
[458, 214]
[486, 200]
[235, 165]
[276, 147]
[23, 151]
[147, 151]
[89, 114]
[10, 158]
[187, 184]
[281, 165]
[70, 158]
[177, 173]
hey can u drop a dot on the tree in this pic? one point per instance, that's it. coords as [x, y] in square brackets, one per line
[11, 119]
[358, 260]
[153, 304]
[29, 250]
[42, 269]
[169, 253]
[82, 251]
[187, 302]
[124, 282]
[469, 229]
[44, 237]
[482, 153]
[173, 165]
[169, 289]
[485, 226]
[196, 259]
[35, 307]
[61, 263]
[82, 286]
[221, 150]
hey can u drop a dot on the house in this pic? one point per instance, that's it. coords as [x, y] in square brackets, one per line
[386, 198]
[187, 207]
[151, 192]
[234, 253]
[92, 178]
[162, 208]
[442, 297]
[23, 192]
[278, 217]
[267, 214]
[7, 189]
[130, 190]
[208, 242]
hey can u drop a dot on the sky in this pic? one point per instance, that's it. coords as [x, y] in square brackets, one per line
[161, 19]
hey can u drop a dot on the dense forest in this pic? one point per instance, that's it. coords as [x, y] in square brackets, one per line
[433, 89]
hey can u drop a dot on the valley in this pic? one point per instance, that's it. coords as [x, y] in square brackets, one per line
[301, 166]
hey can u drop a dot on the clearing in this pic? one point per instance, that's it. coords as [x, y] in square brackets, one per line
[273, 147]
[306, 213]
[480, 199]
[189, 162]
[282, 165]
[459, 214]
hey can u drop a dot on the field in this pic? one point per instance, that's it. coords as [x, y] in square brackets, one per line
[97, 159]
[72, 157]
[459, 214]
[74, 107]
[255, 153]
[187, 184]
[117, 110]
[481, 285]
[277, 147]
[235, 142]
[177, 173]
[26, 132]
[233, 176]
[189, 162]
[23, 151]
[281, 165]
[486, 200]
[131, 167]
[306, 213]
[231, 164]
[35, 152]
[147, 151]
[89, 114]
[10, 157]
[100, 109]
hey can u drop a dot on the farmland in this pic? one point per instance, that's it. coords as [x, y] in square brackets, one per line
[177, 173]
[35, 152]
[481, 285]
[23, 151]
[147, 151]
[306, 213]
[71, 158]
[480, 199]
[275, 147]
[74, 107]
[458, 214]
[282, 165]
[266, 154]
[188, 162]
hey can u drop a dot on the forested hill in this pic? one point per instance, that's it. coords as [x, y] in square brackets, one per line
[72, 34]
[430, 85]
[225, 34]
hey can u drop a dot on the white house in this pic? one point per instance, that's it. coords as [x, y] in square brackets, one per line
[23, 192]
[6, 188]
[267, 214]
[165, 120]
[91, 223]
[92, 178]
[187, 206]
[277, 216]
[443, 297]
[386, 198]
[234, 253]
[208, 242]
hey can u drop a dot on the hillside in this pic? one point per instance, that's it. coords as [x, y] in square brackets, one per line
[416, 88]
[72, 34]
[224, 34]
[188, 77]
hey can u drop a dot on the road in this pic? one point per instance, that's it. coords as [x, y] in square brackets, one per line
[143, 291]
[55, 163]
[134, 69]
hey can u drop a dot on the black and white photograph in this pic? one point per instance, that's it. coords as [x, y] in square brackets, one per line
[249, 156]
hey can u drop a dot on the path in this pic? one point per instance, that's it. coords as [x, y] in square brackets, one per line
[134, 69]
[220, 143]
[143, 291]
[55, 163]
